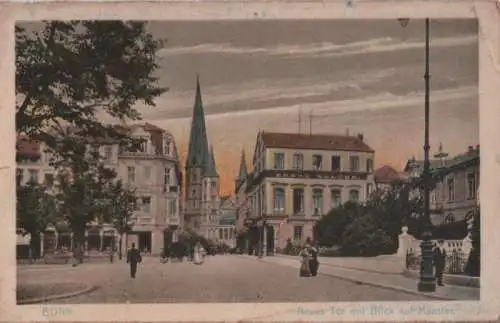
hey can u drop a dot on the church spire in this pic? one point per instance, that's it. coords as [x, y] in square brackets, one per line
[243, 167]
[198, 144]
[211, 170]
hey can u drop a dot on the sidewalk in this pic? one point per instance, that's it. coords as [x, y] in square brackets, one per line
[383, 279]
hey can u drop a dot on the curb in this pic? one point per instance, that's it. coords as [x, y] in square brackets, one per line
[455, 280]
[44, 299]
[388, 287]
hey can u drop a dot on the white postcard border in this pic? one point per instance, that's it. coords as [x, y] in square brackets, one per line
[489, 115]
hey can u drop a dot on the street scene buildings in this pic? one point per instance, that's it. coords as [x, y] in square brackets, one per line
[225, 164]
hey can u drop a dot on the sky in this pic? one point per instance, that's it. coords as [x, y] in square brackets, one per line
[364, 75]
[361, 75]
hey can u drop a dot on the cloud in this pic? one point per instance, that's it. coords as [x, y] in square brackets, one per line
[325, 49]
[228, 98]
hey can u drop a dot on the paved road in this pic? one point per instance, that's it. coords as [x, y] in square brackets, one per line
[221, 279]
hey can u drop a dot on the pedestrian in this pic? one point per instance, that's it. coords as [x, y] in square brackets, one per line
[111, 254]
[199, 254]
[305, 270]
[313, 262]
[133, 258]
[440, 261]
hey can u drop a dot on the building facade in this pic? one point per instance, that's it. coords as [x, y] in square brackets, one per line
[153, 171]
[227, 222]
[202, 198]
[455, 195]
[297, 178]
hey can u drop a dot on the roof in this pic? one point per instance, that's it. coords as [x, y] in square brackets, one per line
[198, 153]
[211, 170]
[470, 155]
[315, 141]
[387, 173]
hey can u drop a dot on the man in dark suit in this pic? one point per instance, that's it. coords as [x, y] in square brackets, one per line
[133, 258]
[314, 263]
[439, 261]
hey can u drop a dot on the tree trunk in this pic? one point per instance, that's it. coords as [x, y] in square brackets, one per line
[120, 247]
[78, 245]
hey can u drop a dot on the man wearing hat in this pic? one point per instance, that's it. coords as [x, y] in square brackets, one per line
[439, 261]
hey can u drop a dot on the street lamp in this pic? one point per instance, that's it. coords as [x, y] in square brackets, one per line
[427, 281]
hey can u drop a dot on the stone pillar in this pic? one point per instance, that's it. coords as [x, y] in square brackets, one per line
[101, 239]
[156, 242]
[86, 243]
[56, 242]
[71, 242]
[41, 244]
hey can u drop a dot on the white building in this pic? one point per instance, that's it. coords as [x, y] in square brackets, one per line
[153, 171]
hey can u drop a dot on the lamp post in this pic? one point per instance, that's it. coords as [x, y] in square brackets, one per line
[427, 281]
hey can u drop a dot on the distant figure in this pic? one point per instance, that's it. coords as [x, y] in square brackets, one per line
[313, 262]
[199, 254]
[111, 254]
[440, 261]
[133, 258]
[305, 270]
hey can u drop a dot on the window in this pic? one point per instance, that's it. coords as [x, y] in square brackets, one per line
[369, 165]
[336, 196]
[144, 145]
[298, 200]
[298, 161]
[279, 161]
[172, 208]
[471, 185]
[450, 218]
[167, 147]
[131, 174]
[317, 162]
[354, 195]
[213, 185]
[220, 234]
[318, 201]
[279, 199]
[33, 175]
[451, 189]
[226, 234]
[166, 177]
[335, 163]
[19, 176]
[108, 152]
[49, 180]
[297, 233]
[354, 162]
[147, 173]
[369, 189]
[94, 152]
[146, 204]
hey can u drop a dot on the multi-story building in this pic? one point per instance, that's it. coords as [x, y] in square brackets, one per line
[240, 193]
[153, 172]
[227, 222]
[385, 176]
[454, 196]
[202, 199]
[297, 178]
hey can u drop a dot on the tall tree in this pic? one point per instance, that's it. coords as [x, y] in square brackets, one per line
[36, 209]
[122, 203]
[74, 73]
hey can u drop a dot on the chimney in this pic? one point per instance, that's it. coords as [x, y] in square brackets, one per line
[360, 136]
[470, 149]
[477, 148]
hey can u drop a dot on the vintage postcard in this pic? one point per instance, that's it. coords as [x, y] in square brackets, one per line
[232, 161]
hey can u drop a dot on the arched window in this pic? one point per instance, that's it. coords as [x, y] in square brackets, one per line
[279, 199]
[450, 218]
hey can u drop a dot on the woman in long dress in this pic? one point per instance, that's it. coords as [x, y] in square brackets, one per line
[305, 270]
[199, 254]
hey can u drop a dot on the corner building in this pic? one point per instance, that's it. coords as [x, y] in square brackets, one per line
[202, 198]
[297, 178]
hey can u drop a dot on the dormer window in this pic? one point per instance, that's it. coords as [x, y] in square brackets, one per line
[144, 145]
[167, 147]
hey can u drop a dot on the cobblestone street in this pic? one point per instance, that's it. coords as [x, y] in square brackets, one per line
[221, 279]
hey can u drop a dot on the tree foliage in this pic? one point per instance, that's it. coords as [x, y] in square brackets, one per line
[35, 208]
[74, 73]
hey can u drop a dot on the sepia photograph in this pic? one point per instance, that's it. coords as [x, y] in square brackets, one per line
[247, 161]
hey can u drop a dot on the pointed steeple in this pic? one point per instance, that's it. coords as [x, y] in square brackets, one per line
[211, 169]
[198, 144]
[243, 167]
